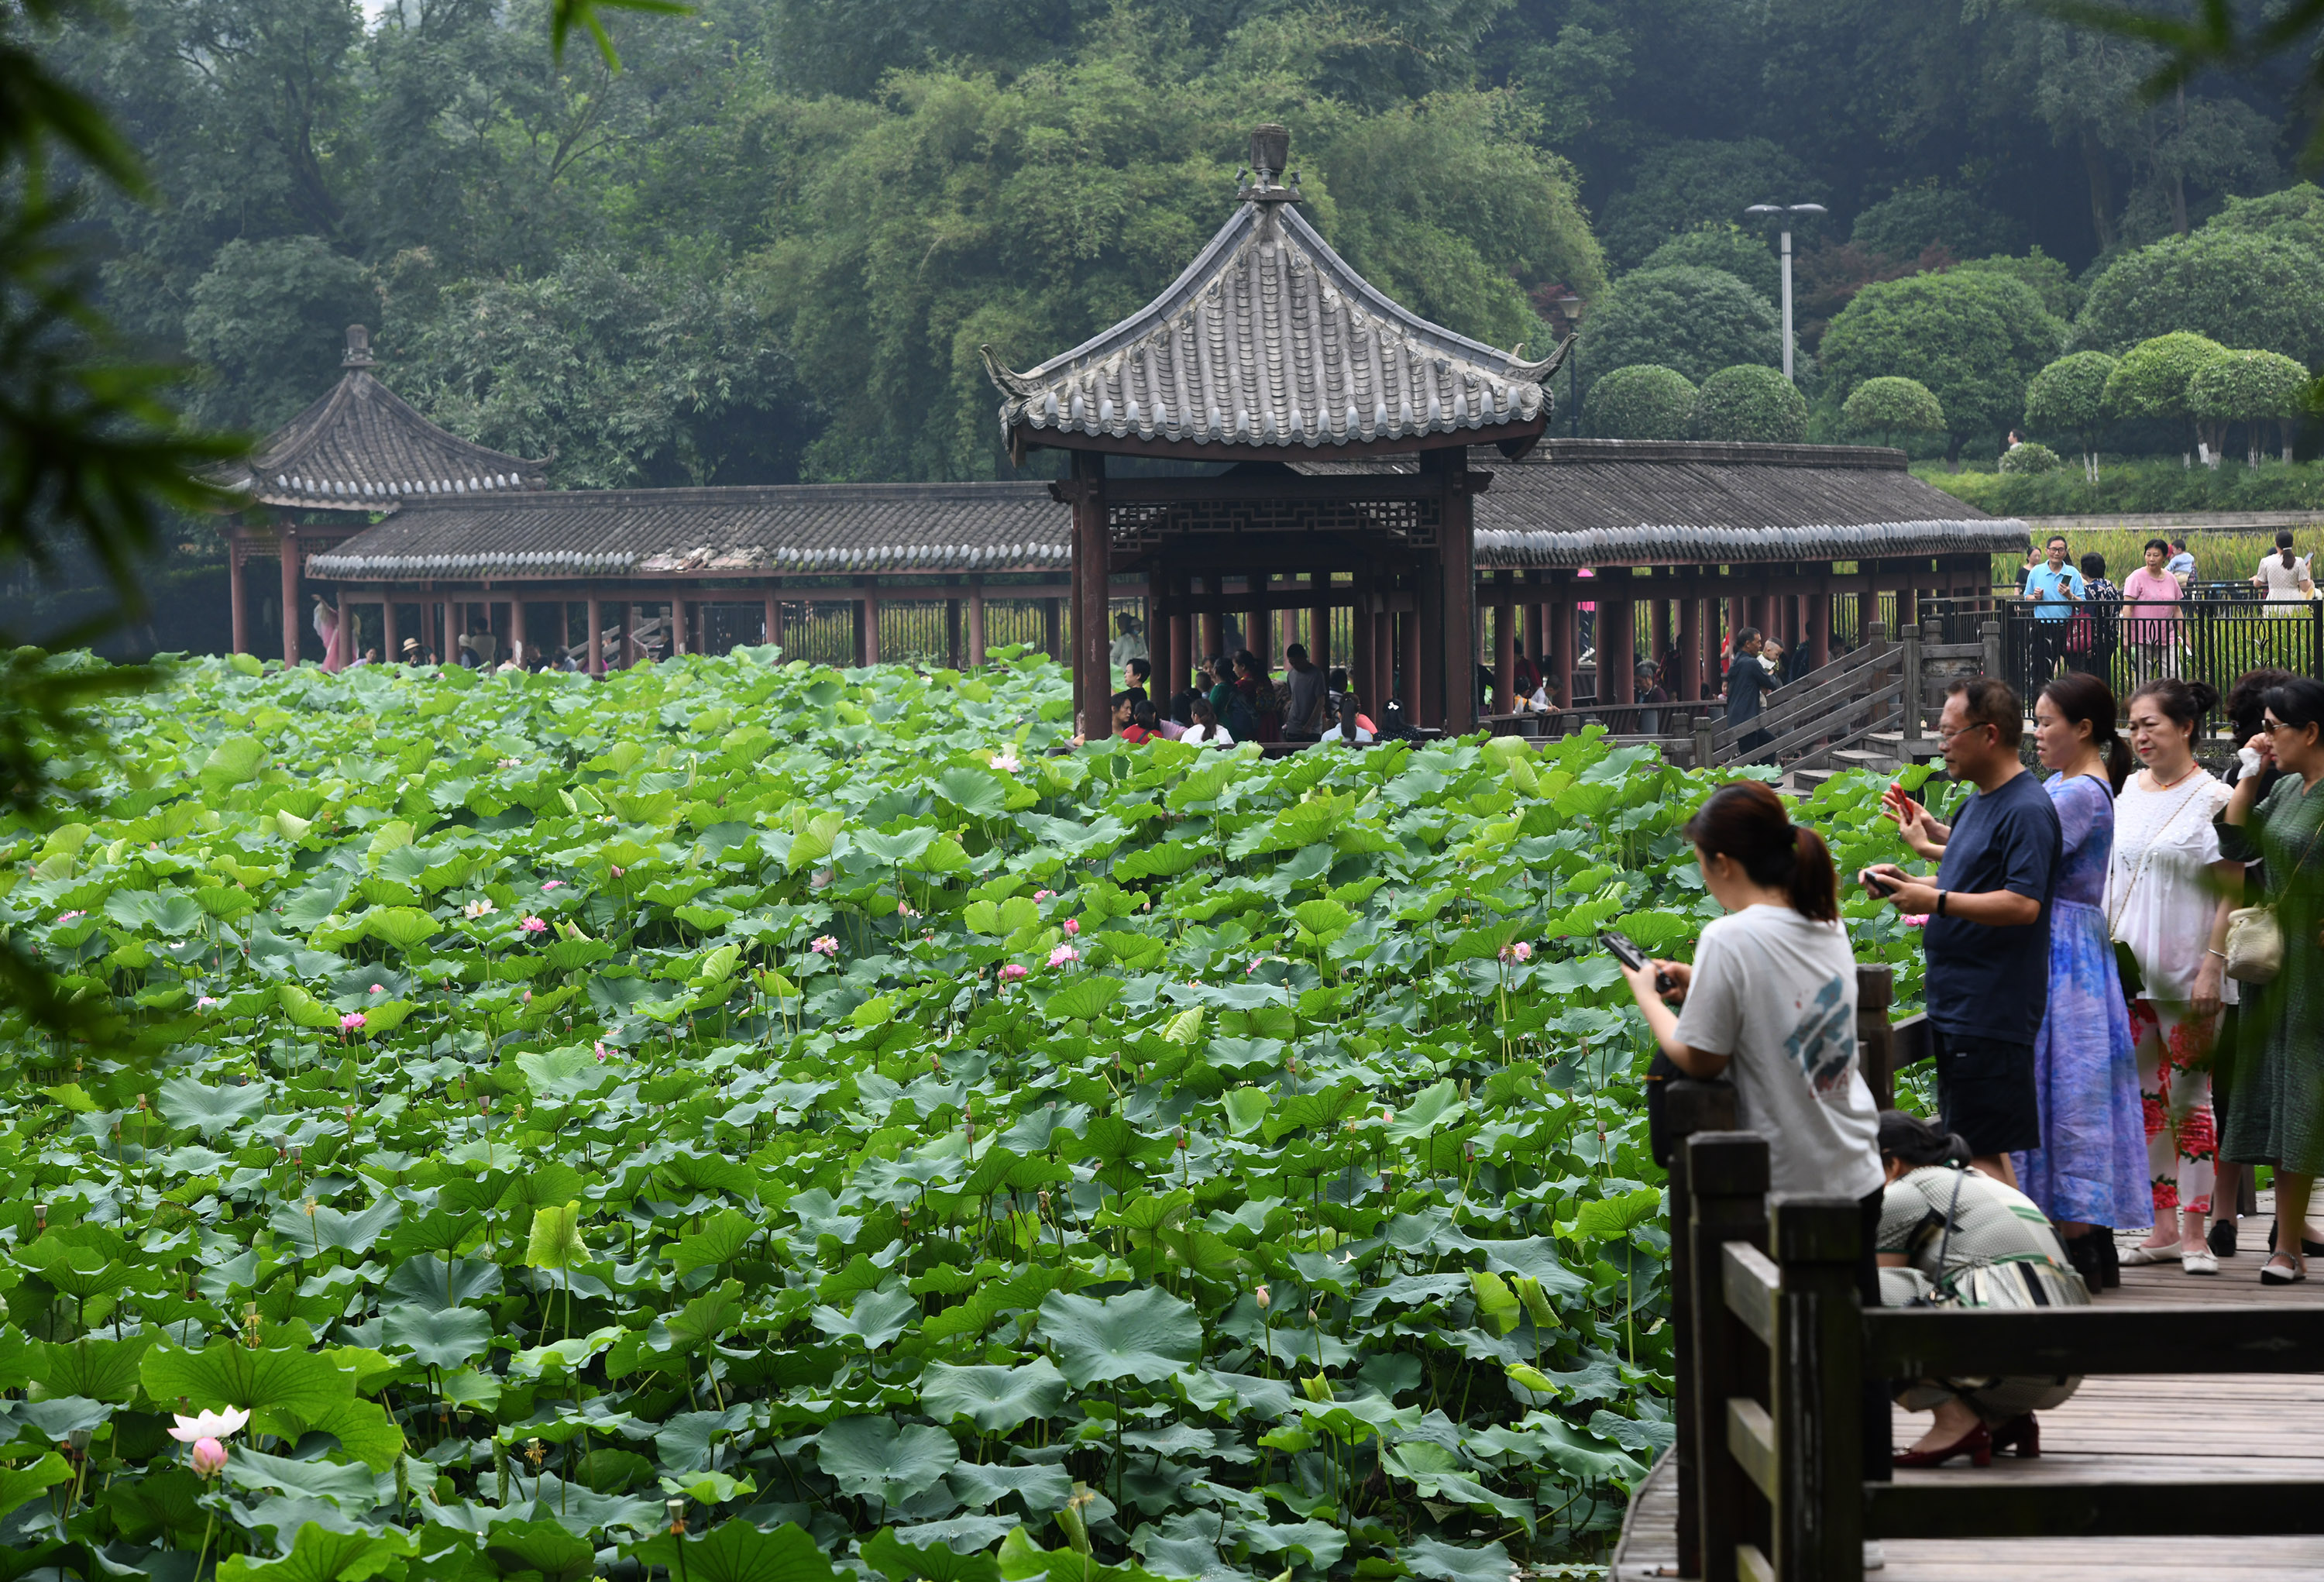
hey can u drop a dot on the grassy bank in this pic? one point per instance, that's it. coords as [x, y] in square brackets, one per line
[2136, 488]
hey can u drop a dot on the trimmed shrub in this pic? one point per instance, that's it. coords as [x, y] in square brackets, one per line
[2151, 379]
[1643, 402]
[1890, 408]
[1903, 226]
[2069, 398]
[2251, 388]
[2233, 287]
[1750, 403]
[1749, 258]
[2030, 458]
[1973, 338]
[1695, 321]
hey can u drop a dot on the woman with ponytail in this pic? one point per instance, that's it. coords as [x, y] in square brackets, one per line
[1770, 1000]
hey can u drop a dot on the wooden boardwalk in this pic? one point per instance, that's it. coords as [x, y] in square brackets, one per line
[2166, 1430]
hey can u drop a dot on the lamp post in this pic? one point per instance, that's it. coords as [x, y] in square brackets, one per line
[1570, 306]
[1786, 211]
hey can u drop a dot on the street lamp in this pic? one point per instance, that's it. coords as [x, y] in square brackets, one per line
[1570, 306]
[1787, 210]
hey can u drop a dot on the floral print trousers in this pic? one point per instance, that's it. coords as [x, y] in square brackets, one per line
[2173, 1049]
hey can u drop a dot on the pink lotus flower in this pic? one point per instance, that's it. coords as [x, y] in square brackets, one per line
[617, 872]
[1064, 956]
[351, 1021]
[825, 945]
[65, 917]
[511, 763]
[1071, 927]
[478, 908]
[532, 925]
[1006, 762]
[528, 996]
[1011, 972]
[1916, 919]
[1253, 966]
[209, 1458]
[1519, 953]
[1041, 896]
[379, 988]
[552, 884]
[207, 1425]
[905, 908]
[207, 1002]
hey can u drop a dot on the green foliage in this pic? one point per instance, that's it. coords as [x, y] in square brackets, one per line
[1750, 401]
[2052, 281]
[2030, 456]
[1687, 183]
[2152, 378]
[1696, 321]
[2068, 399]
[1892, 407]
[2236, 288]
[868, 1235]
[1915, 219]
[2251, 388]
[2142, 487]
[1724, 246]
[1974, 339]
[1644, 401]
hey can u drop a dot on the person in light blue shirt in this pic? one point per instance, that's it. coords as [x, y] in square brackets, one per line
[2053, 587]
[2181, 564]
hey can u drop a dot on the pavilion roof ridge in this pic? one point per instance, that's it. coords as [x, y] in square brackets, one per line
[1269, 341]
[364, 447]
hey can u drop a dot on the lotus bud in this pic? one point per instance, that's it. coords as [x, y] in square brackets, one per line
[1464, 1090]
[1182, 1139]
[1265, 1301]
[676, 1509]
[208, 1458]
[1311, 1315]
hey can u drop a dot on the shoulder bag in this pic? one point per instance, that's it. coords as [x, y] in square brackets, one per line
[2256, 937]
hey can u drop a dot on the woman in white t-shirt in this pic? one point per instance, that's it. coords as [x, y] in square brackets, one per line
[2169, 892]
[2283, 575]
[1770, 1000]
[1206, 731]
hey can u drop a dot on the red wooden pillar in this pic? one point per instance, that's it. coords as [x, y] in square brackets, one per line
[1618, 642]
[388, 648]
[1818, 630]
[1457, 587]
[867, 626]
[1537, 623]
[1319, 619]
[975, 620]
[1659, 627]
[596, 662]
[1504, 643]
[1565, 653]
[1689, 679]
[1257, 626]
[1094, 566]
[519, 645]
[1213, 587]
[770, 616]
[237, 597]
[287, 537]
[1182, 636]
[1411, 695]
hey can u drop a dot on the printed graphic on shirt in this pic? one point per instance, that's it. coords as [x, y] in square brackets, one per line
[1824, 1041]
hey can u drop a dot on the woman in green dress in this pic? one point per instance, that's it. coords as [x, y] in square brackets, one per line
[2277, 1111]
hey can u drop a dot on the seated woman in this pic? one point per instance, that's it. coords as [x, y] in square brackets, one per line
[1955, 1237]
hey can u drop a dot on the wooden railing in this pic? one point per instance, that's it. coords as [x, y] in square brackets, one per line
[1774, 1343]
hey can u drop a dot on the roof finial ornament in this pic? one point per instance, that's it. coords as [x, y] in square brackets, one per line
[1270, 156]
[358, 352]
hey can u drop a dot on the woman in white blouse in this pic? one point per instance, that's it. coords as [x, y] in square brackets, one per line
[2283, 575]
[1206, 731]
[2167, 895]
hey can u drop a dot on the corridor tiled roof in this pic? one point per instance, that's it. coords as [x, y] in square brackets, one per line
[364, 447]
[1269, 340]
[786, 530]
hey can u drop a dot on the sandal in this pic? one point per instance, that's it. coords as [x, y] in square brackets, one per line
[2282, 1268]
[1977, 1445]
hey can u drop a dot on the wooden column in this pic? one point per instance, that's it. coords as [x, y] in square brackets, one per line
[1093, 560]
[1659, 628]
[1425, 684]
[867, 619]
[1536, 624]
[770, 615]
[1053, 628]
[1214, 586]
[952, 634]
[1618, 643]
[287, 537]
[1818, 630]
[1504, 643]
[1564, 648]
[596, 664]
[1727, 1181]
[1867, 612]
[975, 620]
[1361, 640]
[387, 644]
[1319, 620]
[1457, 587]
[237, 597]
[1181, 637]
[1158, 636]
[519, 635]
[1408, 624]
[1688, 680]
[1816, 1403]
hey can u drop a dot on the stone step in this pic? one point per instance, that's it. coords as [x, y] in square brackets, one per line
[1870, 758]
[1805, 781]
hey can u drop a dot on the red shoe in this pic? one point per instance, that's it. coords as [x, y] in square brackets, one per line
[1977, 1445]
[2025, 1432]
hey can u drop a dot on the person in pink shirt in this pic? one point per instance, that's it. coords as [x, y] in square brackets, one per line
[2149, 615]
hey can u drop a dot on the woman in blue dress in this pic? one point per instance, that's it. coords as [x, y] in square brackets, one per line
[2090, 1174]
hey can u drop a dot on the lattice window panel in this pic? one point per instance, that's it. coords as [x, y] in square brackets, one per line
[1140, 527]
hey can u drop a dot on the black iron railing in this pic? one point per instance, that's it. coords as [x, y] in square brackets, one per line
[2213, 640]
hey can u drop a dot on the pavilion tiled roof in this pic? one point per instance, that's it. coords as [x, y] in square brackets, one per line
[1269, 340]
[1572, 503]
[786, 530]
[364, 447]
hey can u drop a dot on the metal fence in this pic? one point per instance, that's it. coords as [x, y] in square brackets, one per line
[2213, 640]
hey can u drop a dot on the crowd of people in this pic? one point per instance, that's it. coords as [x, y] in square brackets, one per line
[2119, 1038]
[2083, 618]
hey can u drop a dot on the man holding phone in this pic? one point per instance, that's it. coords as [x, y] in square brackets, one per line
[1988, 939]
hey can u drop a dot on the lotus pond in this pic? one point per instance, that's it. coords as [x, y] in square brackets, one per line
[761, 1122]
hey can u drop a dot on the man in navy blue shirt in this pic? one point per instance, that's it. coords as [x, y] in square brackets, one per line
[1749, 681]
[1988, 939]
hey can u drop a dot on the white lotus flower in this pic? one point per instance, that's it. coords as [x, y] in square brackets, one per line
[209, 1425]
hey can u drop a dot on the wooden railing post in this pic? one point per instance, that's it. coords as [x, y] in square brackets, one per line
[1816, 1389]
[1915, 700]
[1875, 1041]
[1689, 1108]
[1705, 726]
[1727, 1180]
[1989, 633]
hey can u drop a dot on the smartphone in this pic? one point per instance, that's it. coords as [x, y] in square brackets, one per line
[1879, 884]
[1626, 950]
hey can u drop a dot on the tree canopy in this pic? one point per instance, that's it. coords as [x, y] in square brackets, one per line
[1892, 407]
[1750, 401]
[1695, 321]
[2262, 290]
[1974, 339]
[1642, 402]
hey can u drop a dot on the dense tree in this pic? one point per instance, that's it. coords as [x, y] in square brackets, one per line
[2250, 388]
[1741, 253]
[1692, 183]
[2068, 399]
[2152, 380]
[1750, 401]
[1695, 321]
[2050, 277]
[2263, 292]
[1642, 402]
[1974, 339]
[1892, 409]
[1908, 223]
